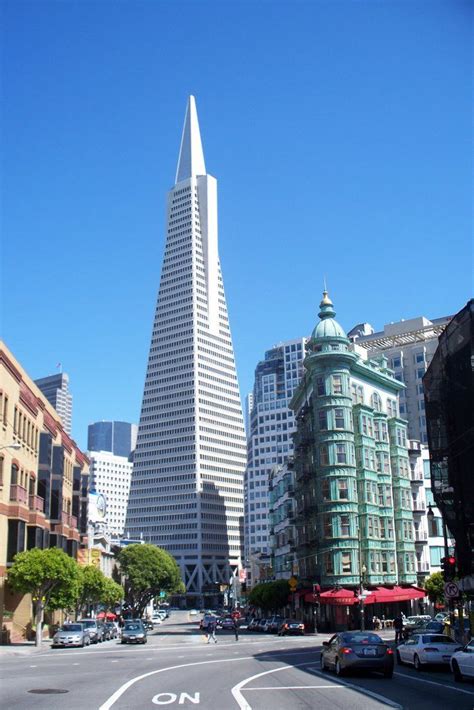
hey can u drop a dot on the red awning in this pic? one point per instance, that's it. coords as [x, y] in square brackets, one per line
[389, 595]
[341, 597]
[109, 615]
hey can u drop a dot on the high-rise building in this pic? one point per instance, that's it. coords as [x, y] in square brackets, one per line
[110, 476]
[409, 346]
[56, 390]
[269, 439]
[187, 483]
[119, 438]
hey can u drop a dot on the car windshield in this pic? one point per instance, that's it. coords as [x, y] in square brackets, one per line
[437, 639]
[88, 623]
[361, 638]
[71, 627]
[132, 627]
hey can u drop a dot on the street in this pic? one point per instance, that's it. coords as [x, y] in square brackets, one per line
[178, 668]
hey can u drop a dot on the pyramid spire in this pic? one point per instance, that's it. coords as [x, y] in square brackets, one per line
[191, 156]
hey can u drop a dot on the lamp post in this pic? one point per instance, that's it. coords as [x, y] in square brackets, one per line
[16, 446]
[363, 571]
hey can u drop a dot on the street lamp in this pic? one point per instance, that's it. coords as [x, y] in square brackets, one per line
[14, 446]
[363, 571]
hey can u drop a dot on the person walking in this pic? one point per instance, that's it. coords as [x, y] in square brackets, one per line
[398, 626]
[211, 631]
[235, 627]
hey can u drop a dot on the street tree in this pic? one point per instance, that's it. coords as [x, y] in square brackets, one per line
[95, 588]
[112, 593]
[147, 570]
[434, 586]
[270, 596]
[50, 576]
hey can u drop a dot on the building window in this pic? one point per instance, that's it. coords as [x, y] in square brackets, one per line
[346, 562]
[426, 469]
[320, 386]
[327, 526]
[325, 489]
[341, 455]
[328, 563]
[342, 489]
[345, 526]
[337, 384]
[339, 418]
[323, 455]
[376, 402]
[323, 420]
[396, 362]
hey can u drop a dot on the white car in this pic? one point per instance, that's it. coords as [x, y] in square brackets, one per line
[462, 662]
[426, 649]
[193, 612]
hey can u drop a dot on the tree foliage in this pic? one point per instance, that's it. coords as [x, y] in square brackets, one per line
[148, 570]
[270, 596]
[434, 585]
[96, 588]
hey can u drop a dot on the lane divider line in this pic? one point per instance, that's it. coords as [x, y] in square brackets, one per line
[433, 682]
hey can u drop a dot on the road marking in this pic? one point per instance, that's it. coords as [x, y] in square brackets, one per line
[120, 691]
[433, 682]
[75, 664]
[297, 687]
[114, 661]
[33, 666]
[243, 704]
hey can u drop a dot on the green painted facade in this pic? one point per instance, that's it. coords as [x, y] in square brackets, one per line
[354, 521]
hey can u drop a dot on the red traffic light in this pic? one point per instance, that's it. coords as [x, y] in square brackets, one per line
[451, 560]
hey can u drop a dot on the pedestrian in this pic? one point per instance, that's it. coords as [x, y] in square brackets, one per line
[235, 626]
[211, 631]
[398, 626]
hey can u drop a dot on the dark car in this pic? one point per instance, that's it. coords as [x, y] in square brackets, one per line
[134, 632]
[112, 631]
[102, 633]
[252, 625]
[273, 626]
[261, 624]
[432, 627]
[206, 620]
[291, 627]
[356, 651]
[226, 623]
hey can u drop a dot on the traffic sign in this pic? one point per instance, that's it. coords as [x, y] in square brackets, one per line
[293, 582]
[451, 590]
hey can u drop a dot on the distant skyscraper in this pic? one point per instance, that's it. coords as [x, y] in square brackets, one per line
[110, 475]
[187, 483]
[119, 438]
[269, 437]
[409, 346]
[56, 390]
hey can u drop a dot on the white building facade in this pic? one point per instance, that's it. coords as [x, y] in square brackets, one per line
[187, 482]
[110, 476]
[409, 346]
[269, 440]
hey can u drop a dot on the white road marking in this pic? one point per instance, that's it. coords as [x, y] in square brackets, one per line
[243, 704]
[114, 661]
[433, 682]
[297, 687]
[33, 666]
[118, 693]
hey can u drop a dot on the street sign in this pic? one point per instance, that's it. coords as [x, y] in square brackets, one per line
[293, 582]
[451, 590]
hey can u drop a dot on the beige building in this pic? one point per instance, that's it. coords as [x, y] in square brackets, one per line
[43, 485]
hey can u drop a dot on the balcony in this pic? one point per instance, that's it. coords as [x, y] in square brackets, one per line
[422, 567]
[18, 494]
[73, 522]
[419, 506]
[416, 476]
[37, 503]
[65, 518]
[421, 536]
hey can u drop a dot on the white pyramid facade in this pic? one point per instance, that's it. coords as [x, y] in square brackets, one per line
[187, 482]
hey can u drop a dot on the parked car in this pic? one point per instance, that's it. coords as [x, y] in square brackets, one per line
[418, 620]
[102, 631]
[91, 626]
[134, 632]
[357, 650]
[462, 662]
[112, 631]
[441, 616]
[71, 635]
[193, 612]
[433, 627]
[426, 649]
[291, 626]
[226, 622]
[274, 624]
[252, 625]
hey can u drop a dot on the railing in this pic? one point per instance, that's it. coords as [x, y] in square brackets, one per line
[419, 506]
[37, 503]
[18, 494]
[73, 522]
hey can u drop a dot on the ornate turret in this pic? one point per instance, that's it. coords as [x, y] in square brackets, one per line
[328, 327]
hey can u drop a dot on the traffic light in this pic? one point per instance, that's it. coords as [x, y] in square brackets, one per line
[449, 567]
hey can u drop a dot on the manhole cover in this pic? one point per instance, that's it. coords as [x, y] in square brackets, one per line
[48, 691]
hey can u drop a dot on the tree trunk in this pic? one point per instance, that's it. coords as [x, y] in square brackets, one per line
[39, 622]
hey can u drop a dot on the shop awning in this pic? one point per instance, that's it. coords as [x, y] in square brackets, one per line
[341, 597]
[389, 595]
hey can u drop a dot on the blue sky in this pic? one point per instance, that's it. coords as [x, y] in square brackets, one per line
[340, 135]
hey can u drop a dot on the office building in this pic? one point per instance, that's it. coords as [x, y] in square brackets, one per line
[409, 346]
[186, 491]
[56, 390]
[43, 485]
[269, 439]
[354, 518]
[119, 438]
[110, 476]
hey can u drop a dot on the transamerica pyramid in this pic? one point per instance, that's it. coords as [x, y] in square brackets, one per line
[187, 483]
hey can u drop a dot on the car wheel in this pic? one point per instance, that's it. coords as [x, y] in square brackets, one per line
[457, 672]
[399, 658]
[339, 670]
[417, 663]
[323, 663]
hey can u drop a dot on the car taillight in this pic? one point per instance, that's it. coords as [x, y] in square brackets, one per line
[301, 626]
[432, 648]
[346, 650]
[285, 626]
[389, 652]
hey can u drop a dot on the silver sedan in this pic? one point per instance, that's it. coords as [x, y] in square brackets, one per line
[71, 635]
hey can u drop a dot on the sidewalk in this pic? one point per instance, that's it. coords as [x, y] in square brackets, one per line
[25, 648]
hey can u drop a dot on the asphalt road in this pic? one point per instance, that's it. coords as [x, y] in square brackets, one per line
[177, 668]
